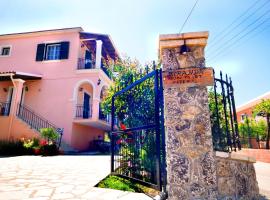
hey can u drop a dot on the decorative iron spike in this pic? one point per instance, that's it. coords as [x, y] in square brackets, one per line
[221, 75]
[154, 65]
[146, 68]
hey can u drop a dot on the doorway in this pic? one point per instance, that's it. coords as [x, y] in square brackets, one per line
[86, 105]
[88, 60]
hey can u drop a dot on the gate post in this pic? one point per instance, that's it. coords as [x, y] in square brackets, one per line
[191, 165]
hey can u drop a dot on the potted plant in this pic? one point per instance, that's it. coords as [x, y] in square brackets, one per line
[48, 146]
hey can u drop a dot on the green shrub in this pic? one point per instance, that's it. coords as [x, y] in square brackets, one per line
[49, 134]
[13, 148]
[49, 150]
[31, 143]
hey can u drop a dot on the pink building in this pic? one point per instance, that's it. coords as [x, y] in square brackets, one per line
[54, 78]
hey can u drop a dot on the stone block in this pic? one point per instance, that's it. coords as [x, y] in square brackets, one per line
[208, 169]
[223, 168]
[222, 154]
[202, 34]
[226, 186]
[197, 190]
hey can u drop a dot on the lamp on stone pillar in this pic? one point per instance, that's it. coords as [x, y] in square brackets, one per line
[184, 48]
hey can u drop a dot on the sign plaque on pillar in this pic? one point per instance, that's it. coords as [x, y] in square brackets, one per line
[189, 77]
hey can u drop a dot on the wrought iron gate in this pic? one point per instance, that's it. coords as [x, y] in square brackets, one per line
[137, 131]
[223, 116]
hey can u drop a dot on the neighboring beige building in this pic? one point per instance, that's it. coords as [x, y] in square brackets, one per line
[247, 108]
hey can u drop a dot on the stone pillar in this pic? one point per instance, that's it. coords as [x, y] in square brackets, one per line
[98, 53]
[191, 165]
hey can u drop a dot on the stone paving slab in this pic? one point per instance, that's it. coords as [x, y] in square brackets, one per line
[263, 178]
[58, 177]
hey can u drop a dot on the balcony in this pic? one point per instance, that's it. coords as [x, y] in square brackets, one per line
[83, 112]
[104, 117]
[88, 64]
[84, 116]
[4, 108]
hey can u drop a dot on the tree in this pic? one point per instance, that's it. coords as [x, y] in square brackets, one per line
[252, 128]
[263, 109]
[130, 105]
[256, 128]
[218, 122]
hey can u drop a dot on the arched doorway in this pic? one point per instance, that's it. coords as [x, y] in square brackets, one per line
[84, 93]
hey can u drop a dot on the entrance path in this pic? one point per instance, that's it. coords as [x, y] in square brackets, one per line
[58, 177]
[263, 177]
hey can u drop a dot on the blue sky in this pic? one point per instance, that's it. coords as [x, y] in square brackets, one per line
[136, 24]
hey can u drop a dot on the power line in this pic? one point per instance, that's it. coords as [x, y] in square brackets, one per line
[235, 27]
[242, 37]
[252, 36]
[225, 30]
[227, 43]
[188, 16]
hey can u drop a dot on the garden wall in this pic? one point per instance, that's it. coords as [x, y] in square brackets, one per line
[236, 176]
[262, 155]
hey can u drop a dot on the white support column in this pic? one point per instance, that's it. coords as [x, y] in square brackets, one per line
[98, 53]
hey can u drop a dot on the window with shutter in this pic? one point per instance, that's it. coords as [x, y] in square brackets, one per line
[64, 50]
[40, 52]
[52, 51]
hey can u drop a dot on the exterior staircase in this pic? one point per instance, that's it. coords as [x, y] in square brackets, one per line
[36, 121]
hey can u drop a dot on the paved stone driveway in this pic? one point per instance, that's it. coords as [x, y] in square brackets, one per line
[58, 177]
[263, 178]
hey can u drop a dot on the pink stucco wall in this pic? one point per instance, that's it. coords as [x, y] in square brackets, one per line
[55, 96]
[81, 135]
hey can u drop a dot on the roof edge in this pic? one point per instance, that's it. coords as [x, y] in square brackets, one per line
[110, 38]
[243, 106]
[61, 30]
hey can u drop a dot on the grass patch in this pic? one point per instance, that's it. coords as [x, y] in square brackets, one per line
[119, 183]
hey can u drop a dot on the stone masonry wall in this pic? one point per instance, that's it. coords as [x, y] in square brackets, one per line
[236, 179]
[191, 165]
[194, 171]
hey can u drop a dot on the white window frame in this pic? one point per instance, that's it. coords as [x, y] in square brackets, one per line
[54, 56]
[243, 117]
[5, 46]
